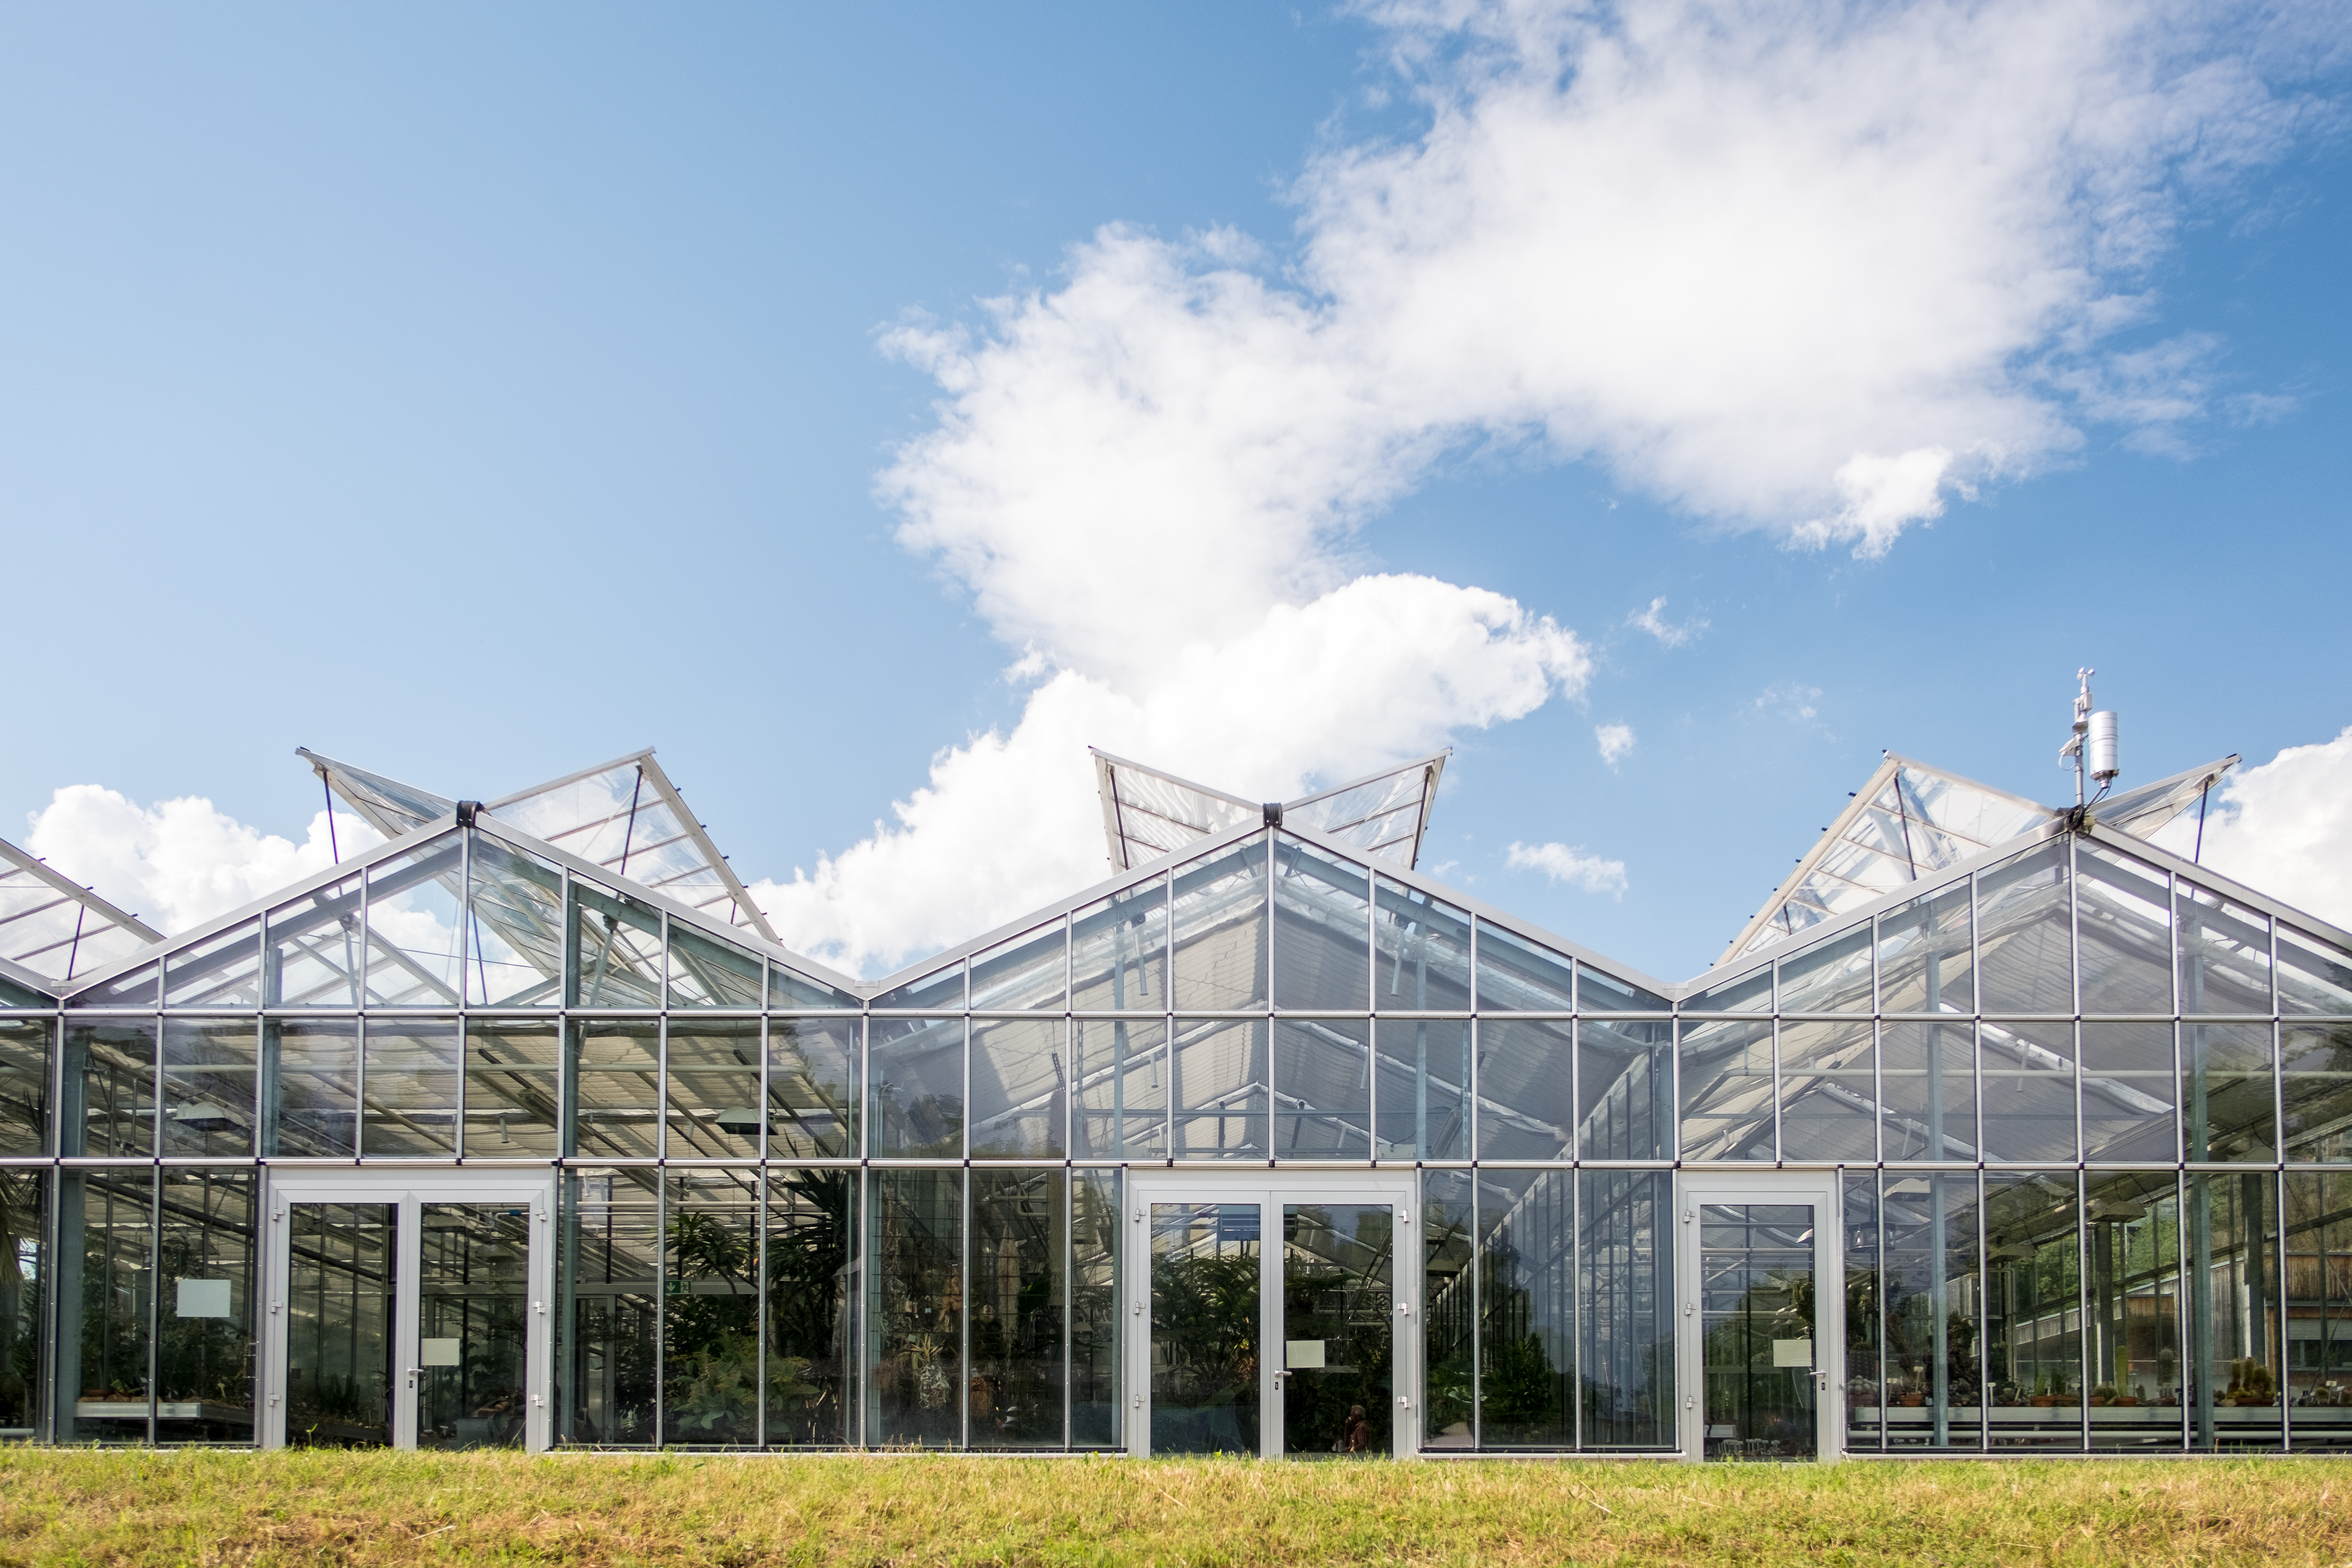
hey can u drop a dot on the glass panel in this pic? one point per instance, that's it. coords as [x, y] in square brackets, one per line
[1527, 1324]
[1726, 1081]
[1923, 956]
[1221, 1089]
[1322, 932]
[1094, 1309]
[339, 1367]
[1625, 1089]
[915, 1336]
[473, 1301]
[136, 989]
[106, 1275]
[208, 1087]
[2314, 978]
[2123, 914]
[705, 971]
[412, 923]
[1449, 1312]
[1600, 993]
[608, 1266]
[2033, 1340]
[2225, 1093]
[1120, 1069]
[1748, 994]
[1118, 950]
[1627, 1311]
[809, 1281]
[1526, 1090]
[1019, 1241]
[1338, 1312]
[1833, 978]
[2316, 1083]
[1423, 1065]
[1204, 1329]
[1024, 974]
[713, 1092]
[812, 1087]
[2129, 1084]
[1421, 952]
[1515, 975]
[2225, 955]
[710, 1309]
[2234, 1311]
[2319, 1307]
[1867, 1389]
[1757, 1326]
[24, 1091]
[513, 1103]
[25, 1262]
[409, 1087]
[788, 990]
[1323, 1088]
[1927, 1077]
[310, 1088]
[110, 1081]
[311, 956]
[2025, 944]
[939, 992]
[2134, 1285]
[2029, 1091]
[1928, 1308]
[917, 1067]
[515, 929]
[1829, 1092]
[222, 970]
[1220, 937]
[614, 1092]
[617, 951]
[1020, 1097]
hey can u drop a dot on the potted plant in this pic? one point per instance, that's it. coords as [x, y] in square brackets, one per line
[2105, 1394]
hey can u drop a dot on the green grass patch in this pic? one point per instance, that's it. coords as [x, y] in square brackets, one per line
[77, 1506]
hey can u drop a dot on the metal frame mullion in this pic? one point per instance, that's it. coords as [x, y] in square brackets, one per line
[1069, 1271]
[963, 1277]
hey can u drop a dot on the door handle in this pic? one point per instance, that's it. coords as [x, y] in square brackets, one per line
[413, 1374]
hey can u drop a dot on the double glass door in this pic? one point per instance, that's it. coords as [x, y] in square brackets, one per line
[408, 1310]
[1762, 1325]
[1267, 1320]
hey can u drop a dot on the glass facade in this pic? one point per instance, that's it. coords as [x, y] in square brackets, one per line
[2085, 1111]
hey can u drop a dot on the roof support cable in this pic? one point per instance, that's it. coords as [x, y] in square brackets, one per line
[630, 831]
[74, 951]
[2198, 858]
[329, 791]
[1903, 815]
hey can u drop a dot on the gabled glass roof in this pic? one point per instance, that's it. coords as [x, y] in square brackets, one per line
[624, 815]
[1911, 820]
[1147, 813]
[53, 928]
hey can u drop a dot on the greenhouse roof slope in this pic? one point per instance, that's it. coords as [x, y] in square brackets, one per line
[1148, 813]
[53, 928]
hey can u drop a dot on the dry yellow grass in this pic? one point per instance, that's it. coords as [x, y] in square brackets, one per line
[200, 1507]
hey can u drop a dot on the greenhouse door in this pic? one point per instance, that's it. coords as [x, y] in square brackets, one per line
[407, 1310]
[1266, 1317]
[1763, 1330]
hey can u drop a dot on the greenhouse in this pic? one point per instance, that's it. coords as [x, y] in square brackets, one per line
[2000, 1128]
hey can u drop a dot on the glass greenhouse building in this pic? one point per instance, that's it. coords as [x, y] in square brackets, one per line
[2000, 1129]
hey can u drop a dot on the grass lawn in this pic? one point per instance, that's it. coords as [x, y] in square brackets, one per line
[78, 1506]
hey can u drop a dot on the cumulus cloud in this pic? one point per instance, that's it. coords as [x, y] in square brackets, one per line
[1780, 266]
[1569, 864]
[1616, 740]
[178, 863]
[2285, 828]
[1654, 621]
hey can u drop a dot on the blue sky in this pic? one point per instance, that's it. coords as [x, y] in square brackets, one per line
[478, 395]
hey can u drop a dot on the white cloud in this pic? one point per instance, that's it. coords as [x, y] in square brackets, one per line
[1563, 863]
[180, 862]
[1655, 622]
[1790, 700]
[2284, 828]
[1779, 266]
[1616, 740]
